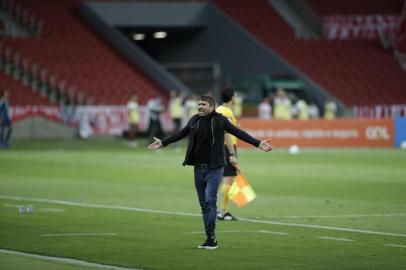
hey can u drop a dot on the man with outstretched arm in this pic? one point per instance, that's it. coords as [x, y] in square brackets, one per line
[205, 152]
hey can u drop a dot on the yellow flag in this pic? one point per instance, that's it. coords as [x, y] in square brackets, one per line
[241, 192]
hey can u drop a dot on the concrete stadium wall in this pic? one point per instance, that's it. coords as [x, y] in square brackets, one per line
[40, 128]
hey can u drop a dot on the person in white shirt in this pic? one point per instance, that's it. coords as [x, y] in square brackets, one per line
[265, 109]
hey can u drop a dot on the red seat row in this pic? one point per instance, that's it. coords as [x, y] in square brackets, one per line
[72, 51]
[356, 72]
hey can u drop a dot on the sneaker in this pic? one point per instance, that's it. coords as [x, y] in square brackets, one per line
[209, 244]
[226, 216]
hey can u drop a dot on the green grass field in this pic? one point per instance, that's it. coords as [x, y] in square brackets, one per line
[101, 202]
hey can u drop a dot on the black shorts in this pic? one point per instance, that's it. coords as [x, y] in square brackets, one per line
[229, 169]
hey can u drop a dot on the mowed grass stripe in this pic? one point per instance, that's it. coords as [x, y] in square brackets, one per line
[117, 207]
[106, 172]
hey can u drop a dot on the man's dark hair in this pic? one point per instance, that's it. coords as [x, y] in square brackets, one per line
[208, 99]
[227, 94]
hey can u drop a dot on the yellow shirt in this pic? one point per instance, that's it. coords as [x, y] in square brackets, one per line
[175, 108]
[303, 110]
[227, 112]
[282, 109]
[330, 111]
[133, 112]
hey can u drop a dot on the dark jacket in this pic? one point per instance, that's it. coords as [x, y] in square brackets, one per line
[219, 124]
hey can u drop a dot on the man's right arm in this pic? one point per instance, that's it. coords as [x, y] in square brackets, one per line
[177, 136]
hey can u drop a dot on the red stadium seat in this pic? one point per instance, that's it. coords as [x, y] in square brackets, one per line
[72, 51]
[357, 72]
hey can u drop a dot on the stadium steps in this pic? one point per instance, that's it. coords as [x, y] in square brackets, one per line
[71, 52]
[356, 72]
[19, 94]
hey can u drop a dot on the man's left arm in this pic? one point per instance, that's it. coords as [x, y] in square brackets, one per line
[242, 135]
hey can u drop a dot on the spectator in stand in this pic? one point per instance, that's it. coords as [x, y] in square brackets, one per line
[282, 106]
[237, 109]
[155, 108]
[314, 111]
[265, 109]
[191, 106]
[302, 110]
[330, 109]
[5, 120]
[133, 119]
[176, 110]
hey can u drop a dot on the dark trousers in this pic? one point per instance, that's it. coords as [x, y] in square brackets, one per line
[155, 130]
[207, 182]
[132, 132]
[5, 134]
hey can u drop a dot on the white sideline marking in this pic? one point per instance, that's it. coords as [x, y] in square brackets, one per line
[65, 260]
[270, 232]
[395, 245]
[12, 205]
[335, 238]
[201, 232]
[346, 216]
[77, 234]
[117, 207]
[278, 217]
[90, 205]
[52, 210]
[321, 227]
[256, 231]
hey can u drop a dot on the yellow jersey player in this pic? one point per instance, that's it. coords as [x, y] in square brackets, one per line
[228, 97]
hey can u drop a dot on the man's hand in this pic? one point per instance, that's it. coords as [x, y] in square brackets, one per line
[265, 145]
[156, 144]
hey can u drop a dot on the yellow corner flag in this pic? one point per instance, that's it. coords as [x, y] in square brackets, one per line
[241, 192]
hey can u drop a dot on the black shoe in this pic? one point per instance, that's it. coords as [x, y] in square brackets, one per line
[227, 216]
[209, 244]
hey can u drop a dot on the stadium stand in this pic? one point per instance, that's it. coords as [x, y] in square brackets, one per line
[65, 51]
[355, 7]
[68, 51]
[21, 95]
[356, 72]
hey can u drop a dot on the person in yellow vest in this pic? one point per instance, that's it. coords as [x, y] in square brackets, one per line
[176, 110]
[133, 119]
[282, 106]
[228, 97]
[237, 109]
[191, 106]
[302, 110]
[330, 109]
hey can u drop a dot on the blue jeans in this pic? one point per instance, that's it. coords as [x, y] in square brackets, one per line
[207, 182]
